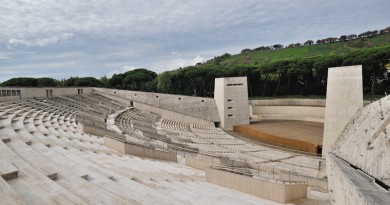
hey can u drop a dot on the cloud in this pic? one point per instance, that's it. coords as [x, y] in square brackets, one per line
[4, 56]
[40, 41]
[107, 37]
[174, 63]
[124, 69]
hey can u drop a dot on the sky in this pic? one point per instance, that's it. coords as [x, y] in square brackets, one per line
[64, 38]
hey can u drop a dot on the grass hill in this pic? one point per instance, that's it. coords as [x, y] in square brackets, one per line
[260, 57]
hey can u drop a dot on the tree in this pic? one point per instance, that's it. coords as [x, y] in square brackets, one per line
[138, 79]
[71, 81]
[164, 82]
[116, 81]
[47, 82]
[88, 82]
[277, 46]
[308, 43]
[246, 50]
[21, 82]
[104, 80]
[343, 38]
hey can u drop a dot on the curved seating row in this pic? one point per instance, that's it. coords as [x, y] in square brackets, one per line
[52, 162]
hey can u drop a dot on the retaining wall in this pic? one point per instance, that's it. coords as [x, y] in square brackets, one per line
[139, 150]
[201, 164]
[198, 107]
[322, 184]
[171, 115]
[288, 109]
[348, 185]
[23, 93]
[274, 191]
[118, 142]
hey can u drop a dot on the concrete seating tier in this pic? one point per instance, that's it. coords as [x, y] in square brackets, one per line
[215, 141]
[45, 159]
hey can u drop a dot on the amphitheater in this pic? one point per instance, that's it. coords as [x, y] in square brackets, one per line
[106, 146]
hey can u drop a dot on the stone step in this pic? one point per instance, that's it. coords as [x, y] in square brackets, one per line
[8, 170]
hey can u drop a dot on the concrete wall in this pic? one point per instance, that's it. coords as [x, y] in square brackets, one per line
[30, 93]
[274, 191]
[114, 144]
[98, 131]
[288, 112]
[289, 109]
[350, 186]
[118, 142]
[173, 115]
[231, 97]
[365, 142]
[139, 150]
[202, 161]
[319, 184]
[289, 102]
[344, 97]
[198, 107]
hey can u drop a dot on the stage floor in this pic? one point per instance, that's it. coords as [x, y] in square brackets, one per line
[299, 130]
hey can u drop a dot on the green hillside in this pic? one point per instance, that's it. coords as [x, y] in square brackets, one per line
[261, 57]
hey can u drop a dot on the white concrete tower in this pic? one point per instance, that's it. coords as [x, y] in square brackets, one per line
[231, 97]
[344, 96]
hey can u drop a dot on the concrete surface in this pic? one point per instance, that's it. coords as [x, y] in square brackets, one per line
[344, 97]
[350, 186]
[231, 98]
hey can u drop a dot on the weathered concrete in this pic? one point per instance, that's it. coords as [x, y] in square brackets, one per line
[289, 102]
[275, 191]
[299, 112]
[171, 115]
[139, 150]
[365, 142]
[350, 186]
[318, 183]
[202, 161]
[231, 97]
[7, 195]
[343, 99]
[22, 93]
[199, 107]
[8, 170]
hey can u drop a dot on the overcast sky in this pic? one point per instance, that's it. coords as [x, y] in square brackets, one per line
[63, 38]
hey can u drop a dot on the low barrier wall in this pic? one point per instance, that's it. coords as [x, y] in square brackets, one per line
[23, 93]
[139, 150]
[118, 142]
[322, 184]
[100, 132]
[271, 139]
[197, 163]
[114, 144]
[274, 191]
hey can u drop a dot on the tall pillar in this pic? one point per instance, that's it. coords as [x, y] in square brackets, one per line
[344, 96]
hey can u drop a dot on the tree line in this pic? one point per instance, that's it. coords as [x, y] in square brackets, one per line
[342, 38]
[306, 76]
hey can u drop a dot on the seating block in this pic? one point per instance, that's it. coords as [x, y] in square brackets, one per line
[8, 170]
[5, 138]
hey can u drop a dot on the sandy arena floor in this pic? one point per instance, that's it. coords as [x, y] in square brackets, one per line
[300, 130]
